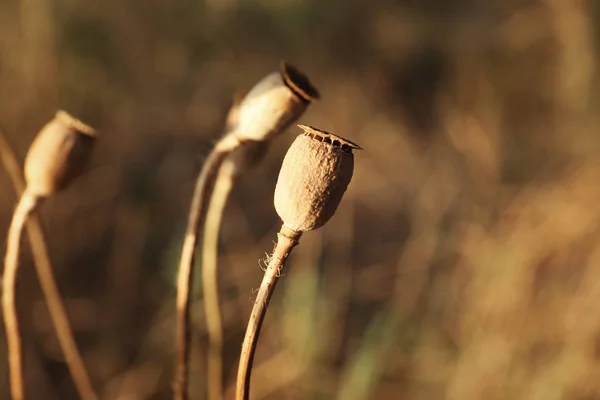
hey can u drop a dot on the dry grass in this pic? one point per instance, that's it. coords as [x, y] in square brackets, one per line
[462, 263]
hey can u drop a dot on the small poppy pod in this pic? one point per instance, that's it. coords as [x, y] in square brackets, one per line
[272, 104]
[313, 178]
[58, 154]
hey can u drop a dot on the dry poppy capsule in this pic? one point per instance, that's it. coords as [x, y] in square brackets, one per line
[58, 154]
[272, 104]
[314, 176]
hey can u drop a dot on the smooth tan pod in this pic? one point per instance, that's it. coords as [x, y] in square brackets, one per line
[58, 154]
[272, 104]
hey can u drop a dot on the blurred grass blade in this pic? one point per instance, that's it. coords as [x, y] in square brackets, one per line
[367, 365]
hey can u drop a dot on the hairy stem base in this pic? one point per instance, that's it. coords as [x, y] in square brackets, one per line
[286, 240]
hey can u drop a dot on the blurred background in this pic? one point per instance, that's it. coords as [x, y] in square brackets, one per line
[463, 262]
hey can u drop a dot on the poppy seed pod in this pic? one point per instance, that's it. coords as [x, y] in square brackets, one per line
[313, 178]
[58, 154]
[273, 103]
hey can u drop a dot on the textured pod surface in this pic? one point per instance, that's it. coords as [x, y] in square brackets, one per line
[314, 176]
[273, 103]
[58, 154]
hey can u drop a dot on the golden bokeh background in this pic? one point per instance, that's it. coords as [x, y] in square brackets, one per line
[463, 262]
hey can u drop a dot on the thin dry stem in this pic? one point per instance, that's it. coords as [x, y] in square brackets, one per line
[286, 240]
[11, 264]
[264, 372]
[48, 284]
[204, 183]
[214, 214]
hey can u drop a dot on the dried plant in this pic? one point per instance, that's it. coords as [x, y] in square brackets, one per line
[56, 157]
[271, 106]
[313, 178]
[48, 284]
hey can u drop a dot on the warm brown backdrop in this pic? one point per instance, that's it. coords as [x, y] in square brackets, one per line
[463, 263]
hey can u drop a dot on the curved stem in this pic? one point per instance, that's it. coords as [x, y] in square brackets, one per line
[204, 183]
[214, 214]
[26, 205]
[286, 240]
[48, 284]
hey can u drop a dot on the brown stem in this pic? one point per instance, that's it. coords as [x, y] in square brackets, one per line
[286, 240]
[26, 205]
[214, 325]
[204, 184]
[48, 284]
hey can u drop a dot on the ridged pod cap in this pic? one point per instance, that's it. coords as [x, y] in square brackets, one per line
[272, 104]
[314, 176]
[58, 154]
